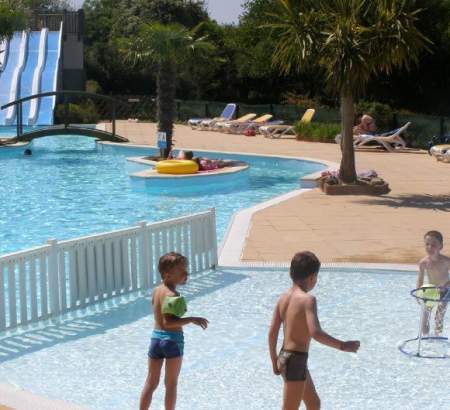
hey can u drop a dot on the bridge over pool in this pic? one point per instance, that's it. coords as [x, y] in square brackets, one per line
[66, 128]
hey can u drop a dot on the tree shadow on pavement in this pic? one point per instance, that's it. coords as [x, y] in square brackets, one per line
[425, 201]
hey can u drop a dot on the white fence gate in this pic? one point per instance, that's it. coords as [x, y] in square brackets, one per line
[61, 276]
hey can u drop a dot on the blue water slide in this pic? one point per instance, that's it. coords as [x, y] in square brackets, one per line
[33, 108]
[49, 79]
[9, 73]
[26, 81]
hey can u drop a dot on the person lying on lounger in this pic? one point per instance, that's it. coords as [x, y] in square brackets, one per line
[364, 129]
[366, 125]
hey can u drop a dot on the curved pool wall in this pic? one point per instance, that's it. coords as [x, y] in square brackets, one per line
[194, 185]
[72, 187]
[227, 367]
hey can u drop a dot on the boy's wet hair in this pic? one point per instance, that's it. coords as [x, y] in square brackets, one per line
[304, 264]
[188, 154]
[170, 260]
[436, 235]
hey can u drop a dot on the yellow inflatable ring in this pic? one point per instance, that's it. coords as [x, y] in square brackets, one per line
[176, 167]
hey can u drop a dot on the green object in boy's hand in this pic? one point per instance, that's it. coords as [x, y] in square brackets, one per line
[174, 305]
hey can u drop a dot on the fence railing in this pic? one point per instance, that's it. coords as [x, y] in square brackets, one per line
[143, 107]
[58, 277]
[73, 21]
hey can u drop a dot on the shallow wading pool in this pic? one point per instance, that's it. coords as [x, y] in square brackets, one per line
[98, 361]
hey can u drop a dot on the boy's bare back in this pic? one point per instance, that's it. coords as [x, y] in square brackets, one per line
[296, 311]
[293, 306]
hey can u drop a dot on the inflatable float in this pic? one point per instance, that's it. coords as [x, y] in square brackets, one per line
[176, 167]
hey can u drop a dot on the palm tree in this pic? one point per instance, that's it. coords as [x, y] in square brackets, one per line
[167, 46]
[349, 41]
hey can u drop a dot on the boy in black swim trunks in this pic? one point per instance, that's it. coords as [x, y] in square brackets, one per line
[167, 340]
[297, 311]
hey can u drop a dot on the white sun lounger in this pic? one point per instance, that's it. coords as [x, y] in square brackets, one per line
[223, 125]
[277, 131]
[390, 140]
[227, 114]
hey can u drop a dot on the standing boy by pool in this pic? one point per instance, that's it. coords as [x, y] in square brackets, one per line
[297, 311]
[167, 341]
[437, 267]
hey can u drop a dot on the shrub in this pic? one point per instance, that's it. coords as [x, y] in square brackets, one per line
[315, 131]
[84, 113]
[93, 86]
[383, 113]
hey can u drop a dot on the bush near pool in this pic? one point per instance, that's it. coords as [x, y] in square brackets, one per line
[315, 131]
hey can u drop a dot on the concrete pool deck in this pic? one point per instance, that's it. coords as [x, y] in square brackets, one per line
[386, 229]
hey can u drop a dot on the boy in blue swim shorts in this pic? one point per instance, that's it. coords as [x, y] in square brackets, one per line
[167, 340]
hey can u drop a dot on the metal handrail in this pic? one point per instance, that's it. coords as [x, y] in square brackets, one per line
[64, 93]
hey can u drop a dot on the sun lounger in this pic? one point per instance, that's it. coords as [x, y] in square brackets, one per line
[221, 125]
[390, 140]
[277, 131]
[227, 114]
[239, 128]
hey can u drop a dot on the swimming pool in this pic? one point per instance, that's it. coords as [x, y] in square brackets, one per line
[99, 361]
[70, 188]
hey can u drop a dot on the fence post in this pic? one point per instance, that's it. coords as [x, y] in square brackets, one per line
[66, 111]
[113, 118]
[144, 266]
[395, 119]
[206, 110]
[18, 121]
[441, 126]
[53, 280]
[20, 118]
[212, 226]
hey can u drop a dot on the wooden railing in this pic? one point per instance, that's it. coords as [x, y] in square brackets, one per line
[58, 277]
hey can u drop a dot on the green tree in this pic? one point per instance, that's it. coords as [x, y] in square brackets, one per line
[110, 20]
[430, 80]
[135, 12]
[11, 19]
[167, 46]
[351, 41]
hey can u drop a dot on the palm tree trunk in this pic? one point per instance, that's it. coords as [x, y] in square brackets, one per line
[166, 102]
[347, 170]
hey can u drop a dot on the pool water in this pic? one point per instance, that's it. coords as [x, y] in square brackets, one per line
[69, 188]
[98, 361]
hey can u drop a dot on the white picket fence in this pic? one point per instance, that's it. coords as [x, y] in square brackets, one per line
[58, 277]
